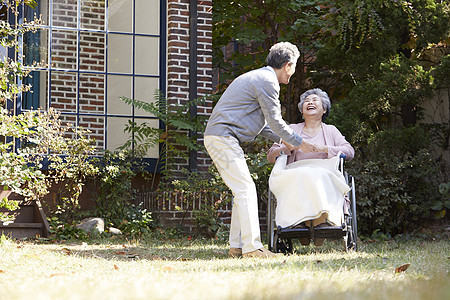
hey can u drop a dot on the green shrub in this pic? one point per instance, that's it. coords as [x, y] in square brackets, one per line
[112, 188]
[395, 193]
[214, 193]
[65, 231]
[443, 204]
[137, 221]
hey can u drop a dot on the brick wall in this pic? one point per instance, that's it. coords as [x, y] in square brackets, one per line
[178, 60]
[177, 209]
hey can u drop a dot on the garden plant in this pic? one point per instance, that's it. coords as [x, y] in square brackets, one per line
[37, 148]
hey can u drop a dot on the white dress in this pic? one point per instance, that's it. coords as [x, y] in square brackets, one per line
[308, 189]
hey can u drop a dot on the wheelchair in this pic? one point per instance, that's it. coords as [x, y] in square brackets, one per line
[279, 239]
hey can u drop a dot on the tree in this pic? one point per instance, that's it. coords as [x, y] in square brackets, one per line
[248, 29]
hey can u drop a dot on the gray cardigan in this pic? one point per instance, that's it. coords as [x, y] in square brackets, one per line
[249, 107]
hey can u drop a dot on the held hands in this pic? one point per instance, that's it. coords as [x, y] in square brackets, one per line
[289, 146]
[306, 147]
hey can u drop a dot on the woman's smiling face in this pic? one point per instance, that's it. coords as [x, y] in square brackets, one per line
[313, 106]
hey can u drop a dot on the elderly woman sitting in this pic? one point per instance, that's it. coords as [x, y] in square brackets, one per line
[308, 186]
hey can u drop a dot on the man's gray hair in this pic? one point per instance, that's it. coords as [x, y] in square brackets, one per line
[281, 53]
[326, 103]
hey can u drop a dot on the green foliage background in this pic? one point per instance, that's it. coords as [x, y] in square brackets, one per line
[371, 57]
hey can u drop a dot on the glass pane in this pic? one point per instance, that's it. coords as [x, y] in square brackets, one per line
[37, 96]
[92, 93]
[147, 55]
[153, 152]
[64, 49]
[120, 15]
[92, 51]
[116, 136]
[97, 127]
[41, 11]
[120, 53]
[147, 17]
[64, 91]
[145, 89]
[65, 13]
[119, 86]
[93, 14]
[35, 46]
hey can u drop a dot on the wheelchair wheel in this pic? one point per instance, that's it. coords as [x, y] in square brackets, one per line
[349, 241]
[282, 246]
[354, 233]
[345, 242]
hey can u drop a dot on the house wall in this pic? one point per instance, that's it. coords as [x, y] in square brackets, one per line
[176, 209]
[178, 61]
[80, 95]
[83, 55]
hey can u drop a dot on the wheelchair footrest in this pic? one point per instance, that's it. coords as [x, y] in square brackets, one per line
[329, 232]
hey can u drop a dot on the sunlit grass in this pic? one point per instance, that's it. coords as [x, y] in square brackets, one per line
[185, 269]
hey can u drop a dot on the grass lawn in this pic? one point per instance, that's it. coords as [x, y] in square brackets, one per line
[193, 269]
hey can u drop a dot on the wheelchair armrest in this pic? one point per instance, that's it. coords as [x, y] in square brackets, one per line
[341, 162]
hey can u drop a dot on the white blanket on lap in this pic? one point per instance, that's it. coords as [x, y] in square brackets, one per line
[306, 189]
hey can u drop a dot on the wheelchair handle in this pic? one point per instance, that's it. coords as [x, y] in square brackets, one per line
[341, 162]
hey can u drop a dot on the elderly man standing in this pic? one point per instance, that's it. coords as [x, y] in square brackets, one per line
[250, 106]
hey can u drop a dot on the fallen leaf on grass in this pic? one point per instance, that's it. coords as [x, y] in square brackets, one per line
[121, 253]
[33, 256]
[166, 269]
[116, 267]
[1, 271]
[181, 258]
[66, 251]
[58, 274]
[156, 258]
[402, 268]
[318, 261]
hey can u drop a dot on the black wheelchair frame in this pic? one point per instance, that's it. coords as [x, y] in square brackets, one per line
[280, 239]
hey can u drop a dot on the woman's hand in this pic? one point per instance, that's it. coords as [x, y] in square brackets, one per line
[322, 149]
[307, 147]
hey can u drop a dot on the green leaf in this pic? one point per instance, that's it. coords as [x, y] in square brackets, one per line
[440, 214]
[437, 206]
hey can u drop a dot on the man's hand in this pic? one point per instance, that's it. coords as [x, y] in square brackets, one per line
[289, 146]
[307, 147]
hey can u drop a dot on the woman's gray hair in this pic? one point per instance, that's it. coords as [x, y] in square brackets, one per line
[281, 53]
[326, 103]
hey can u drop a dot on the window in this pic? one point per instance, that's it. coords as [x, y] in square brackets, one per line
[96, 51]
